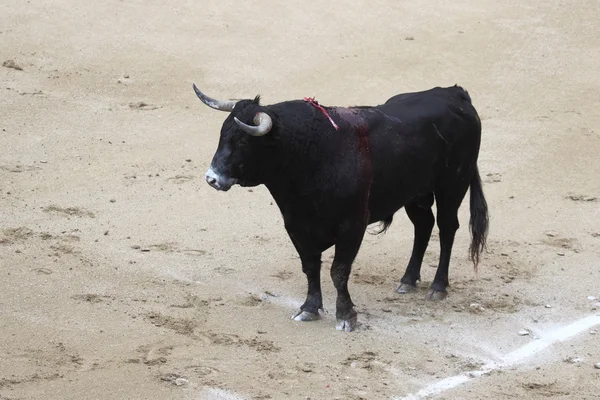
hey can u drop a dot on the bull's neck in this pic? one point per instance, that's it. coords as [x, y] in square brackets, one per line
[295, 165]
[305, 138]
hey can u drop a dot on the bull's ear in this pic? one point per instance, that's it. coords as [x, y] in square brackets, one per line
[212, 103]
[263, 124]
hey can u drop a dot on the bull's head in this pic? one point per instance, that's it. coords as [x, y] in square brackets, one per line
[240, 154]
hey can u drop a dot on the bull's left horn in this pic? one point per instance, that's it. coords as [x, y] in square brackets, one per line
[212, 103]
[263, 122]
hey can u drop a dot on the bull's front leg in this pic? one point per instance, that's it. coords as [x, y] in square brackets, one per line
[311, 266]
[310, 256]
[346, 250]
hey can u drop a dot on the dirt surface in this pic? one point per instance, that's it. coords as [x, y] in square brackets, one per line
[125, 276]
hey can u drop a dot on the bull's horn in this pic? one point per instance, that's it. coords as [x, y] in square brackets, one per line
[263, 122]
[212, 103]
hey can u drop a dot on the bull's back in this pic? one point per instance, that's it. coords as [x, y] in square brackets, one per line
[411, 142]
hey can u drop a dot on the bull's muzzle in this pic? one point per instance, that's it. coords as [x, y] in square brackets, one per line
[218, 181]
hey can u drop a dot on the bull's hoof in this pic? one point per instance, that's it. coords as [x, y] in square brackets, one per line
[406, 288]
[346, 325]
[436, 295]
[305, 316]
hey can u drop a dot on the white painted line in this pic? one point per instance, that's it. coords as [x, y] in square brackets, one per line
[219, 394]
[283, 301]
[558, 335]
[509, 360]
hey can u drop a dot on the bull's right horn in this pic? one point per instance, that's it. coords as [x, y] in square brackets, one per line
[212, 103]
[263, 122]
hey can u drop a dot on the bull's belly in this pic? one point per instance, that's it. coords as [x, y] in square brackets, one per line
[380, 214]
[384, 204]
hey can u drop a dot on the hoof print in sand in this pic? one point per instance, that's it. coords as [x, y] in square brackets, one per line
[69, 211]
[141, 105]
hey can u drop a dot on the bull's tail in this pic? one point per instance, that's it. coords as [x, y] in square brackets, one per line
[384, 225]
[479, 220]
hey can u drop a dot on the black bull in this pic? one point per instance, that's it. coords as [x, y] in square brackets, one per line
[332, 171]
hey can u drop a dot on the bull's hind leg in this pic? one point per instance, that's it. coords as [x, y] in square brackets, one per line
[448, 202]
[421, 216]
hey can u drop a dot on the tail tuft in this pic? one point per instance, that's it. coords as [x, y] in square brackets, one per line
[384, 225]
[479, 221]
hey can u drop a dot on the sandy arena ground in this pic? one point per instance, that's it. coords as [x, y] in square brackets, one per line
[125, 276]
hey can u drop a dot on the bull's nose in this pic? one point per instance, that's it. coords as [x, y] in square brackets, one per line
[217, 181]
[211, 181]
